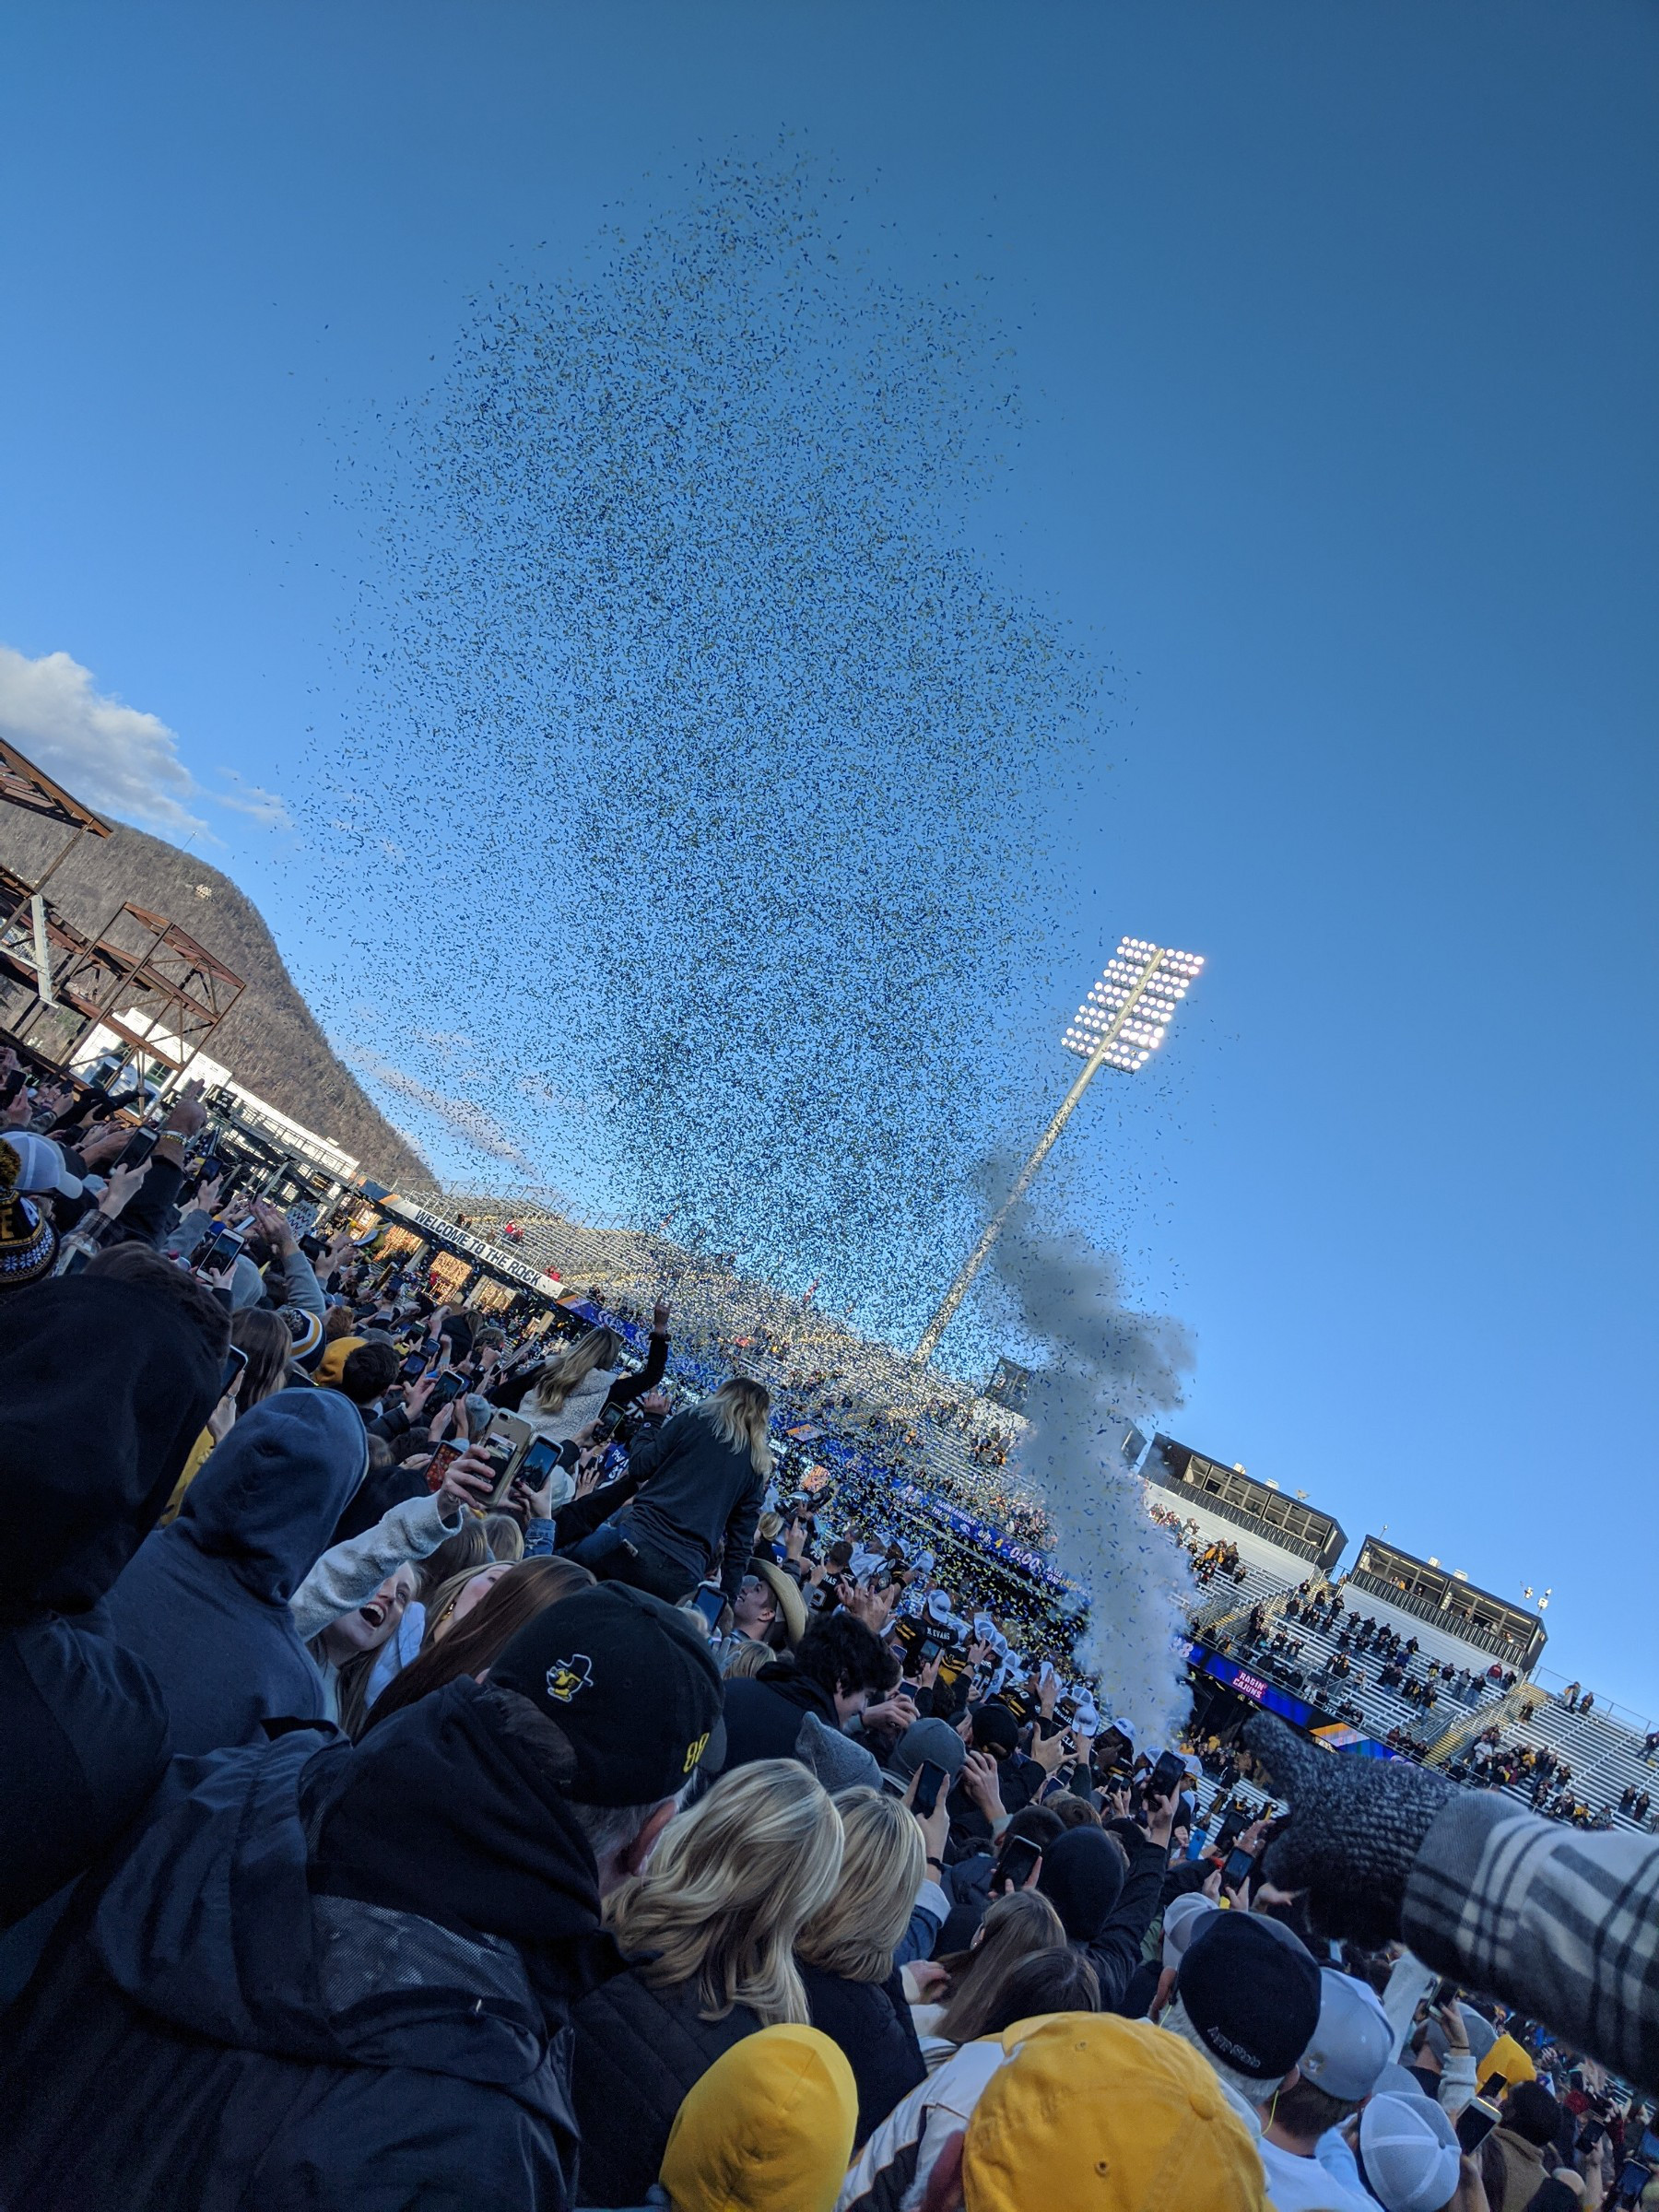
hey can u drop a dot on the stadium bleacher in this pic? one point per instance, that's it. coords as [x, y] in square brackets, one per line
[914, 1441]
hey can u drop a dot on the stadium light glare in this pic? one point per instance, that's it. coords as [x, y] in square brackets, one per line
[1122, 1022]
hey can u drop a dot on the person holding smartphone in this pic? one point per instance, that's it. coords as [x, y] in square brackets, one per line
[1105, 1909]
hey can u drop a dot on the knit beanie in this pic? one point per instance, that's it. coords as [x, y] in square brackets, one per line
[28, 1241]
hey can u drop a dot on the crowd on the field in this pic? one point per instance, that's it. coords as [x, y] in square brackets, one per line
[457, 1758]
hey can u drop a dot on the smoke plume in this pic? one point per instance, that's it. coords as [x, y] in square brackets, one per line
[1106, 1369]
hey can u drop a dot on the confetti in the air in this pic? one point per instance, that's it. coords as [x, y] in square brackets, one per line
[719, 764]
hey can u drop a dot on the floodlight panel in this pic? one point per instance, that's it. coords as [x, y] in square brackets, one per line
[1126, 975]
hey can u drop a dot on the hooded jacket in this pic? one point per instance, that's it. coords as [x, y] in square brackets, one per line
[333, 1979]
[103, 1388]
[783, 1713]
[205, 1603]
[1105, 1911]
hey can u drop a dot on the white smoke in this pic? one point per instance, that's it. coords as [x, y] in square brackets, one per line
[1105, 1369]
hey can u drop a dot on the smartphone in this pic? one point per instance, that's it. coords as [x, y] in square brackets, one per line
[1445, 1990]
[1633, 2181]
[504, 1444]
[219, 1250]
[211, 1167]
[710, 1604]
[414, 1365]
[1238, 1864]
[12, 1085]
[1015, 1865]
[539, 1462]
[609, 1421]
[138, 1148]
[1166, 1775]
[448, 1388]
[1475, 2122]
[236, 1363]
[930, 1651]
[930, 1779]
[442, 1459]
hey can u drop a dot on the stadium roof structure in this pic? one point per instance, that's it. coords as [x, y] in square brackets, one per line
[1449, 1602]
[1259, 1508]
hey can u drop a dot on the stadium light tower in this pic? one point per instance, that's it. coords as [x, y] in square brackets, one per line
[1119, 1024]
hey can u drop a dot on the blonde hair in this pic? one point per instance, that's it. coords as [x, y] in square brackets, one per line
[738, 1413]
[599, 1347]
[857, 1930]
[728, 1889]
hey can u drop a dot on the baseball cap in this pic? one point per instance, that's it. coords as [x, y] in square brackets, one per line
[1250, 1988]
[1409, 2149]
[42, 1166]
[1124, 1728]
[1181, 1916]
[1098, 2111]
[629, 1682]
[1352, 2041]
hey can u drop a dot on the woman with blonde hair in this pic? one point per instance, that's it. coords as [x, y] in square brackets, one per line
[845, 1951]
[699, 1482]
[711, 1927]
[561, 1398]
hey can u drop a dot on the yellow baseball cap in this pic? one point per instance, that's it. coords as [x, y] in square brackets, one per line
[1101, 2114]
[769, 2128]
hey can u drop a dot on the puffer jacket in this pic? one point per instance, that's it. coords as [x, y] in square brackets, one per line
[324, 1979]
[638, 2052]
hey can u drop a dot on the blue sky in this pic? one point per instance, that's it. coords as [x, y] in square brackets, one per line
[1335, 330]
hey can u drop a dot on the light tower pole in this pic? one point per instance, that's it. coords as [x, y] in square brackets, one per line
[1119, 1024]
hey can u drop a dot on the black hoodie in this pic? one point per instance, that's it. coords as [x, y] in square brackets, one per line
[324, 1977]
[104, 1387]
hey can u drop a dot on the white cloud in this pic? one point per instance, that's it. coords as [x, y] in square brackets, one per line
[113, 757]
[266, 808]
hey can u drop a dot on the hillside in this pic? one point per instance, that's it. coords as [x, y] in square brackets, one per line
[268, 1040]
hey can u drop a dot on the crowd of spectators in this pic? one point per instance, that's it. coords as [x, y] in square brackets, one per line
[443, 1762]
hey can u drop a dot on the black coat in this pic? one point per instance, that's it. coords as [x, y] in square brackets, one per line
[698, 1503]
[205, 1601]
[764, 1713]
[638, 2052]
[324, 1979]
[105, 1387]
[871, 2021]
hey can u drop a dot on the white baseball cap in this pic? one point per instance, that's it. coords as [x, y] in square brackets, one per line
[1411, 2152]
[1353, 2040]
[1181, 1916]
[41, 1164]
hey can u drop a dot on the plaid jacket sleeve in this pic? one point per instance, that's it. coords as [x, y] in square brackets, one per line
[1562, 1925]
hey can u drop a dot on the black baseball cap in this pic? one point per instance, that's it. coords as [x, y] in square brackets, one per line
[632, 1685]
[1251, 1988]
